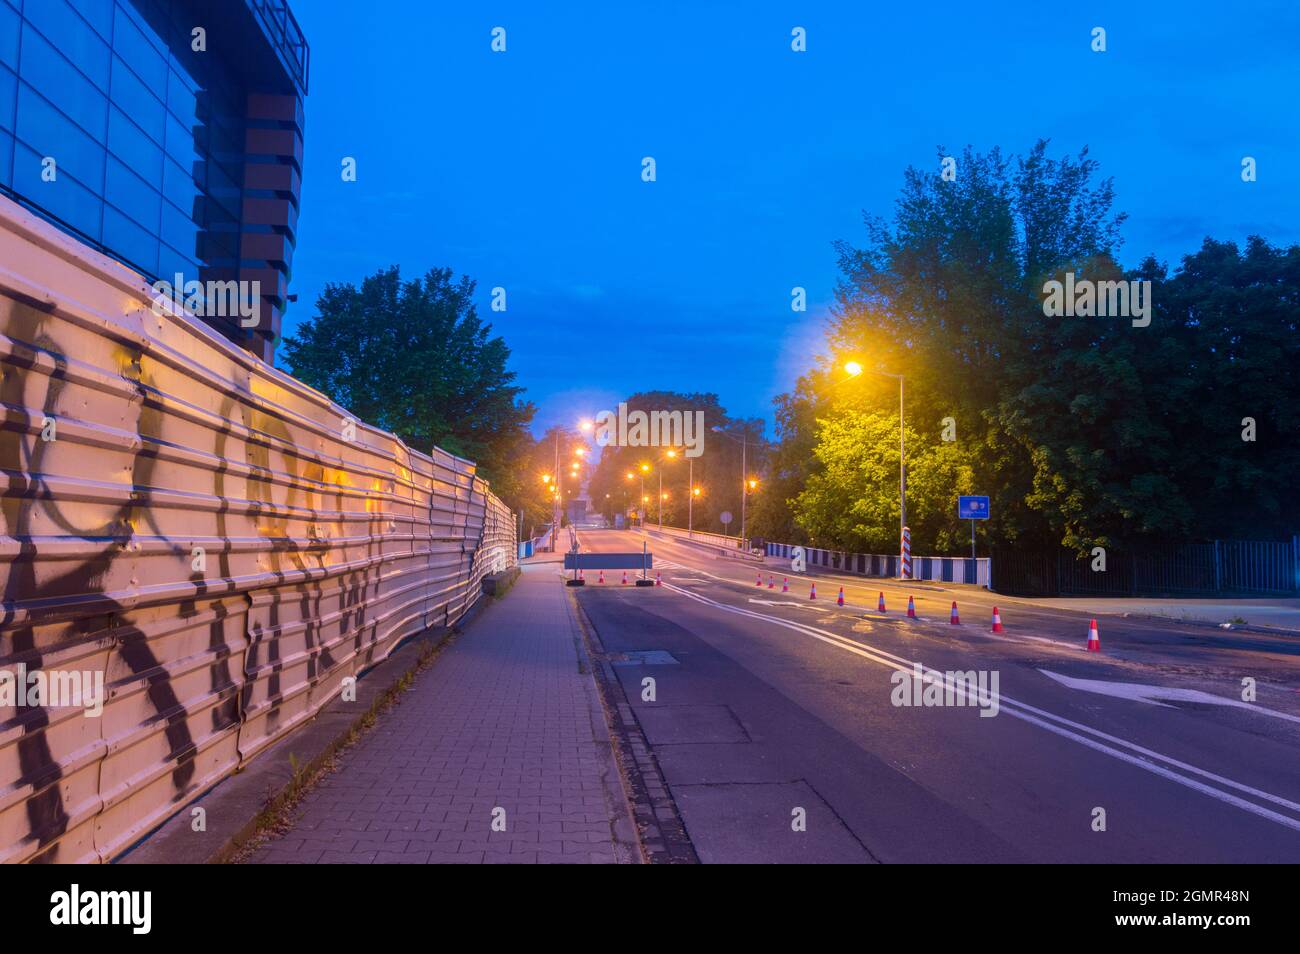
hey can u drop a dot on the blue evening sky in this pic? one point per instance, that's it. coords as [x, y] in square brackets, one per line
[523, 169]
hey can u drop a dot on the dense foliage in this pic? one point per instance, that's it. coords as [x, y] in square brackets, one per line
[1082, 430]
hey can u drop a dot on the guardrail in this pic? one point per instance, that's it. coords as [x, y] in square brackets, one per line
[721, 539]
[934, 569]
[216, 544]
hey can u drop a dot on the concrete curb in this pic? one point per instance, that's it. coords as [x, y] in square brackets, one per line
[1206, 624]
[624, 832]
[661, 833]
[237, 806]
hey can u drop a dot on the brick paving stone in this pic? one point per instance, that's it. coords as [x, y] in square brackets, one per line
[503, 719]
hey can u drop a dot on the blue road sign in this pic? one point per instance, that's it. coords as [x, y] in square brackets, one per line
[973, 508]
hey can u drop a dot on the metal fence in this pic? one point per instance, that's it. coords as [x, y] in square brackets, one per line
[1220, 567]
[718, 539]
[217, 543]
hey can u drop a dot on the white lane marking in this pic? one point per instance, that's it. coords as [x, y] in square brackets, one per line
[1151, 695]
[811, 606]
[1059, 725]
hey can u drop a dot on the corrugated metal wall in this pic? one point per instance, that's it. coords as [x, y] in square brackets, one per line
[319, 553]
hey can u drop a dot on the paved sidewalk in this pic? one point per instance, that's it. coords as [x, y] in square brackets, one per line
[502, 725]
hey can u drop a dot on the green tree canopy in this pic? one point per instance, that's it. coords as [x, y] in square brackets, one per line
[413, 358]
[1082, 430]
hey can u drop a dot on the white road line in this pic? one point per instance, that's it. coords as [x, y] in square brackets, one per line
[1139, 756]
[1155, 695]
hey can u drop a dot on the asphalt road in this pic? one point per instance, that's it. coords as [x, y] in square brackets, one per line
[771, 711]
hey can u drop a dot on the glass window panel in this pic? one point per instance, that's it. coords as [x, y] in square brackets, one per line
[81, 45]
[222, 209]
[8, 98]
[219, 182]
[9, 37]
[151, 19]
[179, 230]
[50, 133]
[128, 241]
[137, 198]
[49, 72]
[181, 99]
[171, 261]
[179, 186]
[6, 159]
[225, 244]
[98, 13]
[140, 154]
[225, 205]
[180, 143]
[64, 198]
[129, 42]
[226, 138]
[133, 98]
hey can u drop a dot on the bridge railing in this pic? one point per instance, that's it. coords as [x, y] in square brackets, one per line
[214, 543]
[935, 569]
[721, 539]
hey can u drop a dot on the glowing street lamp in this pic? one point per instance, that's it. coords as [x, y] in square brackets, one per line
[853, 369]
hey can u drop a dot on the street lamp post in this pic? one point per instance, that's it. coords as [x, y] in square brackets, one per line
[641, 510]
[555, 505]
[690, 499]
[744, 479]
[854, 369]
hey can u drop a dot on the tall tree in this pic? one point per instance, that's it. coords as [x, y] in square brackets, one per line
[414, 358]
[1084, 430]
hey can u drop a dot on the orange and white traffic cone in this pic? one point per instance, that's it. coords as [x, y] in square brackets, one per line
[771, 583]
[658, 579]
[580, 574]
[1094, 639]
[785, 584]
[625, 577]
[812, 594]
[602, 577]
[911, 608]
[839, 600]
[953, 618]
[880, 603]
[997, 621]
[759, 581]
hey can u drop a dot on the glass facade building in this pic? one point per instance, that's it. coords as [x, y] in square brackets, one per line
[165, 133]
